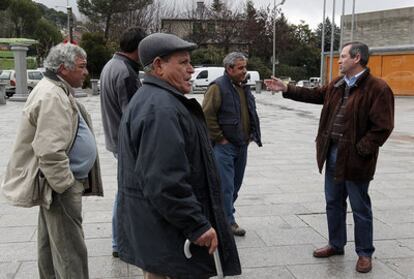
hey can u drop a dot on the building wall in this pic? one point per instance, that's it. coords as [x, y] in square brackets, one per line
[382, 28]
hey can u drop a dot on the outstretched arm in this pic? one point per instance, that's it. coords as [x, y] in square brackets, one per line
[275, 84]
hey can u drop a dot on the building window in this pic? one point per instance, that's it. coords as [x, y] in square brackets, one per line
[197, 27]
[211, 27]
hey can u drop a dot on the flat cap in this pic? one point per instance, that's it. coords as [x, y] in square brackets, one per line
[161, 44]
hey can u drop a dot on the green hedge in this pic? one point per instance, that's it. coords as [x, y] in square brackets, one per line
[6, 54]
[7, 63]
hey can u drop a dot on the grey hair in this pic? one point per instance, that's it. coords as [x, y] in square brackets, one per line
[358, 48]
[63, 54]
[232, 57]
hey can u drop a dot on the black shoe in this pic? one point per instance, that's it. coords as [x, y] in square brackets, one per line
[115, 254]
[237, 230]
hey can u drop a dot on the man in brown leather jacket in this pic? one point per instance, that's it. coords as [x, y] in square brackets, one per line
[357, 117]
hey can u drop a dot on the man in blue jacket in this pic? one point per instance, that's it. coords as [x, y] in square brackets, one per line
[169, 187]
[233, 123]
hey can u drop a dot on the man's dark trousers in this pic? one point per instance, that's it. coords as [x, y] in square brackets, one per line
[336, 194]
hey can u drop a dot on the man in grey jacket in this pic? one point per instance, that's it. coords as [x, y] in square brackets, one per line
[119, 82]
[54, 162]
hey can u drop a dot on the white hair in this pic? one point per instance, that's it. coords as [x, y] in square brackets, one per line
[63, 54]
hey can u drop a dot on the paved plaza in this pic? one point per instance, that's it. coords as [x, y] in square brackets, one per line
[281, 203]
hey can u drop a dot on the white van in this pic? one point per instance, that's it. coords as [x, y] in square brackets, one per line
[203, 76]
[251, 78]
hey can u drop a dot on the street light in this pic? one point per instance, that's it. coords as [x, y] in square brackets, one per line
[274, 33]
[69, 13]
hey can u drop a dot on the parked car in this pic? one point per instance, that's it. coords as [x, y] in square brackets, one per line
[315, 81]
[33, 78]
[203, 76]
[304, 83]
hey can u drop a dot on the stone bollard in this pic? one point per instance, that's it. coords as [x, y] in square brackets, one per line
[258, 86]
[2, 93]
[94, 84]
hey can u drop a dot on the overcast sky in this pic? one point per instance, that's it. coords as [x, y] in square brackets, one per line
[311, 11]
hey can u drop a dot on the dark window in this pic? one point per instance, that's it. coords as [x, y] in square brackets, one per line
[211, 27]
[202, 74]
[35, 75]
[197, 27]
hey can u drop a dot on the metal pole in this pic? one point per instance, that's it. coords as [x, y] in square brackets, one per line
[274, 38]
[353, 20]
[321, 76]
[332, 41]
[274, 33]
[70, 36]
[342, 24]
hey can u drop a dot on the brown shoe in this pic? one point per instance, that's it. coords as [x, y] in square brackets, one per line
[326, 252]
[237, 230]
[364, 264]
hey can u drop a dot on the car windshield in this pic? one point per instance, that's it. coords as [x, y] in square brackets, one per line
[5, 75]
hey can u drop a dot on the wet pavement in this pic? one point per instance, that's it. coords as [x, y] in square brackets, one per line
[281, 203]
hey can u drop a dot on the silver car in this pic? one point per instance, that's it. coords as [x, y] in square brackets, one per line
[9, 76]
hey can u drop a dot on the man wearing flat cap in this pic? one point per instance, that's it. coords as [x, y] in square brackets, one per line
[169, 188]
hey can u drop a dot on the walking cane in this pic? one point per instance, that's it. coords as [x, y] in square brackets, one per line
[217, 262]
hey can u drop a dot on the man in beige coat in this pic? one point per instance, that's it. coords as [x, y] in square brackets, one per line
[54, 162]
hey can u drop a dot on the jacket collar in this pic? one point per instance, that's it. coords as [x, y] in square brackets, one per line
[132, 63]
[226, 76]
[361, 78]
[53, 77]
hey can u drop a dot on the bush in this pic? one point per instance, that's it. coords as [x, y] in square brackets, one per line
[256, 64]
[207, 56]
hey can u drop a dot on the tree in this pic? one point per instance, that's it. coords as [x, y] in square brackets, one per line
[4, 4]
[103, 11]
[252, 27]
[97, 51]
[218, 6]
[328, 28]
[207, 56]
[23, 13]
[48, 35]
[56, 17]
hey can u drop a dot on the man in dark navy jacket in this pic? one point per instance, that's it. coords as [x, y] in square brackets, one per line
[169, 187]
[232, 120]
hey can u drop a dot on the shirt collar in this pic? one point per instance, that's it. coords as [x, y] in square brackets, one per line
[351, 81]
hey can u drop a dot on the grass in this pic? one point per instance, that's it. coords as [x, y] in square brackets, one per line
[7, 63]
[6, 54]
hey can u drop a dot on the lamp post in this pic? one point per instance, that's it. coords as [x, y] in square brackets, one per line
[322, 72]
[274, 33]
[69, 20]
[69, 8]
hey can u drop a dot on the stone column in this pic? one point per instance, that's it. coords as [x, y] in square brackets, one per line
[20, 66]
[2, 93]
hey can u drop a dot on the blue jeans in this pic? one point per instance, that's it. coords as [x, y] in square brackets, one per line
[231, 163]
[336, 194]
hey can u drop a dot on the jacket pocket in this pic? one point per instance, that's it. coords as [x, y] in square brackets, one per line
[360, 167]
[42, 192]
